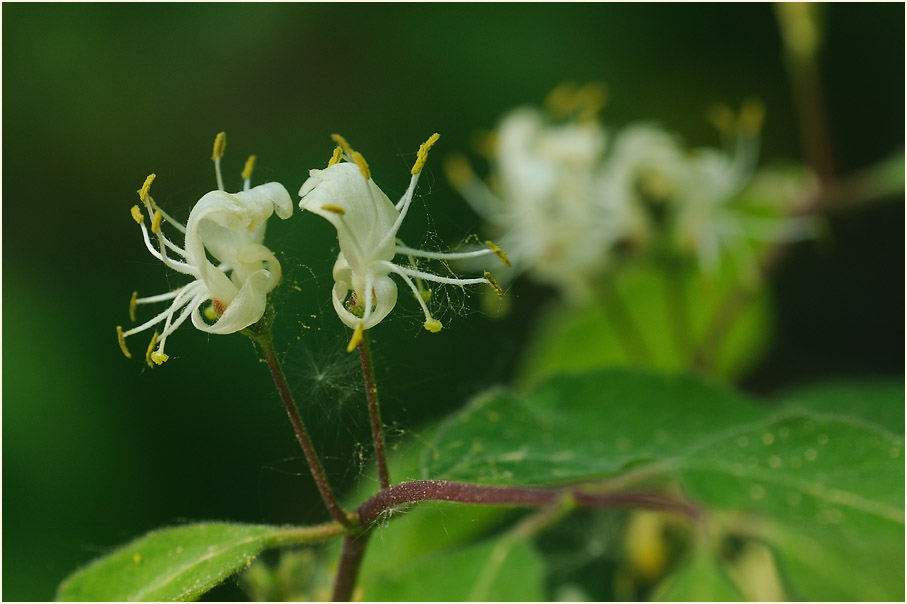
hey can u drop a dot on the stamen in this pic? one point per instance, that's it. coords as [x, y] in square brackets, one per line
[428, 318]
[132, 302]
[336, 156]
[422, 155]
[249, 167]
[457, 170]
[143, 192]
[499, 252]
[220, 144]
[369, 295]
[156, 222]
[343, 144]
[137, 214]
[363, 165]
[160, 297]
[357, 337]
[151, 346]
[722, 117]
[330, 207]
[494, 285]
[562, 100]
[590, 99]
[122, 340]
[430, 277]
[401, 249]
[433, 325]
[752, 114]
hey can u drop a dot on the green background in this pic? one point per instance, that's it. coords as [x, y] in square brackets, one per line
[98, 449]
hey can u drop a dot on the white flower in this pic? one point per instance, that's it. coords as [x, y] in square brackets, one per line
[230, 227]
[548, 197]
[367, 223]
[710, 220]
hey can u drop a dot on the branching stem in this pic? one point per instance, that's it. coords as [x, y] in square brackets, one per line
[261, 333]
[557, 500]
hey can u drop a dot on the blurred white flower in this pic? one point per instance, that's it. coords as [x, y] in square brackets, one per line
[367, 223]
[565, 196]
[710, 221]
[548, 197]
[231, 228]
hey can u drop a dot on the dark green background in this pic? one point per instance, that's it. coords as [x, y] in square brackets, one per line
[98, 449]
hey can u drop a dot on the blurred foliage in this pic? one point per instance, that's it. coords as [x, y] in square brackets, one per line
[98, 449]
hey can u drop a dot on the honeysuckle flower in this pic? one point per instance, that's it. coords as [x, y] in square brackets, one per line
[548, 198]
[710, 220]
[367, 223]
[230, 227]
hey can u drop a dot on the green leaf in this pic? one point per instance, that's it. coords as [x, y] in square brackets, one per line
[582, 426]
[504, 569]
[879, 403]
[180, 563]
[827, 494]
[668, 309]
[815, 479]
[700, 579]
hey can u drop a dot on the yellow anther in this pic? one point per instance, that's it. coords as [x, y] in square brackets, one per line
[247, 170]
[122, 340]
[336, 156]
[159, 358]
[342, 142]
[137, 215]
[210, 313]
[500, 253]
[722, 118]
[422, 155]
[752, 114]
[357, 337]
[494, 284]
[220, 144]
[457, 170]
[590, 99]
[143, 192]
[485, 143]
[334, 209]
[132, 303]
[433, 325]
[363, 165]
[150, 349]
[156, 222]
[561, 101]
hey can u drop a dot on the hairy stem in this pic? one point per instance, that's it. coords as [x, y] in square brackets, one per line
[374, 410]
[261, 333]
[351, 556]
[515, 496]
[554, 503]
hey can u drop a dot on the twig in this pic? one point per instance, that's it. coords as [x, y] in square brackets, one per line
[261, 333]
[374, 410]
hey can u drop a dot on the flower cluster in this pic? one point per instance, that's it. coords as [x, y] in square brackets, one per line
[567, 197]
[231, 228]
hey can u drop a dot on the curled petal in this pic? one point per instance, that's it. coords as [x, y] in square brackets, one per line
[246, 308]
